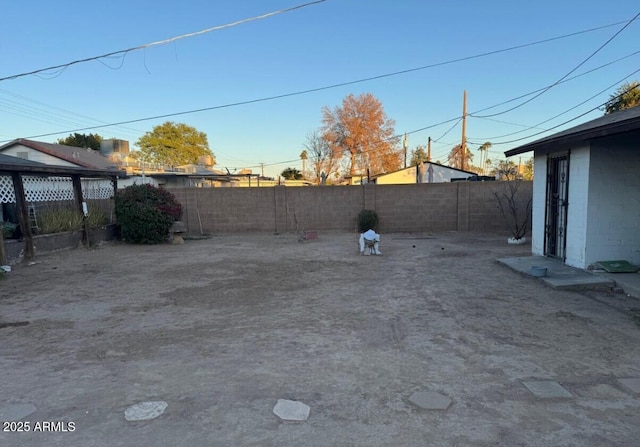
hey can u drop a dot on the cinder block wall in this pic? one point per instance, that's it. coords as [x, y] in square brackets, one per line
[436, 207]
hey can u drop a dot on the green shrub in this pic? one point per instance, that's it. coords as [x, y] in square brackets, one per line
[145, 213]
[7, 229]
[367, 220]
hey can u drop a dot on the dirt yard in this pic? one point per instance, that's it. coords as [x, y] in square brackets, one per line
[222, 328]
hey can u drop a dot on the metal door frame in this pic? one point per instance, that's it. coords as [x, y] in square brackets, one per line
[556, 206]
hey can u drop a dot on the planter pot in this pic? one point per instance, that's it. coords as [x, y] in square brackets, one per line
[514, 241]
[538, 272]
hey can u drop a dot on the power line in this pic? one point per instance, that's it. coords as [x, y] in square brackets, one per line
[566, 75]
[562, 82]
[609, 87]
[505, 122]
[568, 121]
[63, 67]
[332, 86]
[62, 116]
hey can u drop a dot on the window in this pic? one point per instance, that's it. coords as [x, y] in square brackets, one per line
[24, 155]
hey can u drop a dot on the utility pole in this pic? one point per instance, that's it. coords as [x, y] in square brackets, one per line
[261, 169]
[429, 150]
[463, 143]
[405, 144]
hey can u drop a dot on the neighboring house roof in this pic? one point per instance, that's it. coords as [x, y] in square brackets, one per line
[86, 158]
[193, 169]
[9, 160]
[426, 163]
[612, 124]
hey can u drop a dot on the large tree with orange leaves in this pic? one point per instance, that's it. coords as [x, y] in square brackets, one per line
[362, 131]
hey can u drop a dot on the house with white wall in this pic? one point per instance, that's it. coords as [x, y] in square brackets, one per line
[427, 172]
[586, 191]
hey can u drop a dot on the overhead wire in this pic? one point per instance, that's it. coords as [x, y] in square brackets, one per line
[160, 42]
[570, 120]
[608, 88]
[561, 82]
[567, 74]
[332, 86]
[59, 114]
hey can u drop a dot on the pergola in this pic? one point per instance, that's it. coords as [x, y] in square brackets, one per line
[16, 168]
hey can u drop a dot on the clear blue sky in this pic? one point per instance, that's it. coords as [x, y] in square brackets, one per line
[333, 42]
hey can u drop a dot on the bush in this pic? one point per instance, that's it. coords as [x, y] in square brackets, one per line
[367, 220]
[8, 229]
[145, 213]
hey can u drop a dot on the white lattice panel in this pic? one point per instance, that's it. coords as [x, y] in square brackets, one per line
[51, 189]
[47, 189]
[6, 190]
[97, 188]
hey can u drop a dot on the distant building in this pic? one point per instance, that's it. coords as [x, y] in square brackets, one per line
[427, 172]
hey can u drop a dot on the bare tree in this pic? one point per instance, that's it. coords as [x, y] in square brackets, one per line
[455, 158]
[515, 207]
[322, 157]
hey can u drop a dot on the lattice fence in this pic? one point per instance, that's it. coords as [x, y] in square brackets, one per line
[6, 190]
[51, 189]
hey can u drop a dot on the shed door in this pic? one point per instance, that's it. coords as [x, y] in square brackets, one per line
[556, 206]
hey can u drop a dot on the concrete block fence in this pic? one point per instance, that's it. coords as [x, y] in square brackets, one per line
[435, 207]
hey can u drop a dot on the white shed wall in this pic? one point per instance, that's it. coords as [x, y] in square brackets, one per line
[613, 222]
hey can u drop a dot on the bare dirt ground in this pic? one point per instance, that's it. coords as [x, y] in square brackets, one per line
[223, 327]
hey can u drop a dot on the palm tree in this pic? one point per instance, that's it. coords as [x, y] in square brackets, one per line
[484, 148]
[303, 157]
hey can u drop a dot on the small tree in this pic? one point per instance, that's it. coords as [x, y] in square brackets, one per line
[367, 220]
[82, 140]
[291, 174]
[418, 155]
[145, 213]
[625, 97]
[515, 207]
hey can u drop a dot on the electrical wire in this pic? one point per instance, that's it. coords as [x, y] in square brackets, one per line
[608, 88]
[160, 42]
[571, 120]
[562, 82]
[332, 86]
[568, 74]
[506, 122]
[58, 113]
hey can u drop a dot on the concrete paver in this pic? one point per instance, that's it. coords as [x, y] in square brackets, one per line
[632, 384]
[547, 389]
[430, 400]
[145, 411]
[291, 410]
[16, 412]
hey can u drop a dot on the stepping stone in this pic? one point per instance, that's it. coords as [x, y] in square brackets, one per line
[145, 411]
[547, 389]
[15, 412]
[291, 410]
[430, 400]
[632, 384]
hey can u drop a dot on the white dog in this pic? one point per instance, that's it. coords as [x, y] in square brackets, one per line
[367, 239]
